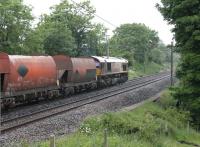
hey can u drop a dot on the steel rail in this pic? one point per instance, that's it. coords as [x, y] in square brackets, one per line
[78, 94]
[6, 127]
[112, 90]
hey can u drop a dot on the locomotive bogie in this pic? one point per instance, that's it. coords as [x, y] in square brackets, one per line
[112, 79]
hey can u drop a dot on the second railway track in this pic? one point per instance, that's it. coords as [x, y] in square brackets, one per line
[13, 123]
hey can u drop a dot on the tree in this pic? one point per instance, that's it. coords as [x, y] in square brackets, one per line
[93, 41]
[134, 40]
[59, 43]
[77, 17]
[68, 30]
[184, 15]
[15, 22]
[50, 37]
[160, 54]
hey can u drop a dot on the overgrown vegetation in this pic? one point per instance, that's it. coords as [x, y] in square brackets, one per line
[153, 125]
[142, 47]
[184, 15]
[138, 43]
[139, 69]
[15, 23]
[69, 29]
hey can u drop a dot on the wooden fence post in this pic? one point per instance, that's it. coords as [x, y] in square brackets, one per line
[166, 129]
[105, 138]
[188, 127]
[52, 141]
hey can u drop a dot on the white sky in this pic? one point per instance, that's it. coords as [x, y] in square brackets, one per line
[118, 12]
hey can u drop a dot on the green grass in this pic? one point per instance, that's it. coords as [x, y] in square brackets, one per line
[157, 124]
[150, 68]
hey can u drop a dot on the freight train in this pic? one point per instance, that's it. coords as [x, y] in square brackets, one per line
[25, 79]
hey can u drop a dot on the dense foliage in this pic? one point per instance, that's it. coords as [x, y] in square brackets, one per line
[15, 22]
[68, 29]
[138, 42]
[185, 16]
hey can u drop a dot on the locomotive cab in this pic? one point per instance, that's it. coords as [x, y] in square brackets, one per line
[111, 70]
[98, 67]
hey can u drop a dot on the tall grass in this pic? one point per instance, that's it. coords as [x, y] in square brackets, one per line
[157, 124]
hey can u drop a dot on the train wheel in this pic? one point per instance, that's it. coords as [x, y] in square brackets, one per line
[72, 90]
[9, 103]
[67, 91]
[2, 105]
[50, 95]
[77, 90]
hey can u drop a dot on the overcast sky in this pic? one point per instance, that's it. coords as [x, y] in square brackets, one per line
[118, 12]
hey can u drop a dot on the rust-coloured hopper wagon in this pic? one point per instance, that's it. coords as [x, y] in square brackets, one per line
[84, 70]
[75, 74]
[26, 77]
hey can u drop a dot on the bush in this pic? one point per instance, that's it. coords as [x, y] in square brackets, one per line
[157, 124]
[146, 123]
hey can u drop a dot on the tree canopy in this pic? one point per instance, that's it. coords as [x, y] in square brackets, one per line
[137, 42]
[15, 22]
[68, 29]
[185, 16]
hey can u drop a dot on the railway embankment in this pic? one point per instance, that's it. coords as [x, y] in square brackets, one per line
[152, 124]
[70, 122]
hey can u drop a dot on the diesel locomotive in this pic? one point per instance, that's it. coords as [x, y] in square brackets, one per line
[30, 78]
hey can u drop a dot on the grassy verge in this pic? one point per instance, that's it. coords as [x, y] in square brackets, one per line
[150, 68]
[157, 124]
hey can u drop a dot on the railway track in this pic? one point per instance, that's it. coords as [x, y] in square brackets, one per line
[83, 93]
[13, 113]
[13, 123]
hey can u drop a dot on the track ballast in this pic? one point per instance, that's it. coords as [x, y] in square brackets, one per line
[9, 124]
